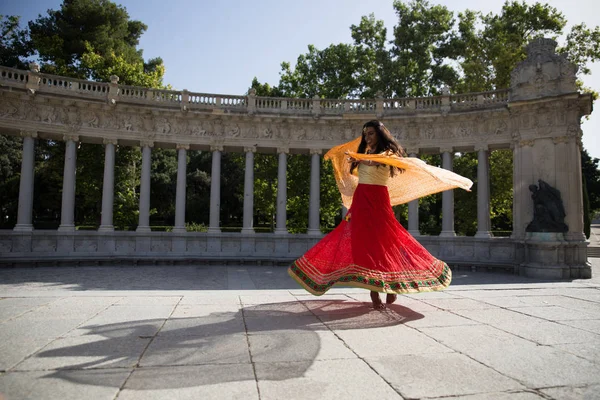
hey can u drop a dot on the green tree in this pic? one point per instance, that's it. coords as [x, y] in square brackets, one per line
[86, 39]
[591, 176]
[14, 43]
[13, 53]
[431, 48]
[10, 163]
[91, 39]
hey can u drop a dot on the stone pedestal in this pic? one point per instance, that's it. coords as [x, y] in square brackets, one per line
[549, 256]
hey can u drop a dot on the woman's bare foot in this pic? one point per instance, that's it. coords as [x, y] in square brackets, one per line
[391, 298]
[377, 304]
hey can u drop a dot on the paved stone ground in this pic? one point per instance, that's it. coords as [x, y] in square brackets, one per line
[250, 333]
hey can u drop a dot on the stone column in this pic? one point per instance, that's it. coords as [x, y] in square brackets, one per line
[215, 190]
[483, 193]
[315, 193]
[413, 210]
[24, 223]
[67, 213]
[108, 187]
[249, 190]
[447, 197]
[569, 182]
[181, 184]
[282, 191]
[523, 176]
[144, 216]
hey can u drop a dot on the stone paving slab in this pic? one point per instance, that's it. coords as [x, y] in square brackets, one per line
[420, 375]
[329, 379]
[233, 381]
[227, 332]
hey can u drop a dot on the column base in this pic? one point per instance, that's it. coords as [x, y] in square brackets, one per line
[483, 234]
[447, 234]
[179, 229]
[279, 231]
[143, 229]
[66, 228]
[214, 230]
[23, 228]
[248, 231]
[414, 233]
[106, 228]
[314, 232]
[575, 237]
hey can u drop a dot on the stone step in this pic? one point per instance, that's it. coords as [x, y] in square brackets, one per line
[593, 252]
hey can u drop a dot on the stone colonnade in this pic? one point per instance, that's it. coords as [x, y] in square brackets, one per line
[538, 117]
[24, 219]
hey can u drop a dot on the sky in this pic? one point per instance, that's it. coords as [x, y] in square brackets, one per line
[218, 47]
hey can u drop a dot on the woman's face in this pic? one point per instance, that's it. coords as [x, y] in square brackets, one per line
[371, 137]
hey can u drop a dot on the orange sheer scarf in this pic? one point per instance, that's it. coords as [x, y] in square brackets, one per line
[418, 179]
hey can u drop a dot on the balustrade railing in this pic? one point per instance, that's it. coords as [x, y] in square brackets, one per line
[10, 76]
[114, 93]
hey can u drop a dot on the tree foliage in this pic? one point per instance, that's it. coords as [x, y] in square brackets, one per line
[432, 48]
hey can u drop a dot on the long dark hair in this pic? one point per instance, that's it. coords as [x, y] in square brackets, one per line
[385, 142]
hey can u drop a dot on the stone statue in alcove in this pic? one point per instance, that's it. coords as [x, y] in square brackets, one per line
[548, 209]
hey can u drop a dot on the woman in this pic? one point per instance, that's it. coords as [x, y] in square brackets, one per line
[369, 248]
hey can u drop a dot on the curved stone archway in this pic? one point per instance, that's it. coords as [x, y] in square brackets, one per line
[538, 118]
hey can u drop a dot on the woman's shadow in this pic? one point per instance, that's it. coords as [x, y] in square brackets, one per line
[219, 344]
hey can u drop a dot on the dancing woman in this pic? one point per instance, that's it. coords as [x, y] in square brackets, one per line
[369, 248]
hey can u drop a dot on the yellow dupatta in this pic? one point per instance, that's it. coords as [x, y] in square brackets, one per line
[419, 179]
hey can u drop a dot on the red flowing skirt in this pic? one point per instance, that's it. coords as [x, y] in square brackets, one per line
[371, 250]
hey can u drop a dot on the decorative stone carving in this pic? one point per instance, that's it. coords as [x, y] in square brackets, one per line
[316, 151]
[182, 146]
[32, 134]
[561, 139]
[163, 126]
[267, 132]
[216, 147]
[8, 109]
[146, 143]
[68, 137]
[542, 73]
[249, 149]
[110, 141]
[524, 143]
[233, 130]
[90, 119]
[285, 150]
[548, 210]
[481, 146]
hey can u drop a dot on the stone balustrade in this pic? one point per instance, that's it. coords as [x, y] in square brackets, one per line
[189, 101]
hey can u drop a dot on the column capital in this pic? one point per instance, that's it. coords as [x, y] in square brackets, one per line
[412, 150]
[482, 146]
[182, 146]
[525, 143]
[32, 134]
[447, 149]
[74, 138]
[561, 139]
[316, 151]
[216, 147]
[283, 150]
[110, 141]
[146, 143]
[249, 149]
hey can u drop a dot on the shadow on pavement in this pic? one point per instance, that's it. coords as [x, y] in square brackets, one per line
[216, 344]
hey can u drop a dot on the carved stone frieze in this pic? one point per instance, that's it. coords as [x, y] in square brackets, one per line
[527, 121]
